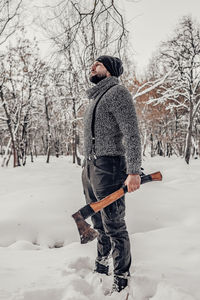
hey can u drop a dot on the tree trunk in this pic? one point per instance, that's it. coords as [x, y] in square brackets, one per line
[189, 135]
[188, 144]
[75, 138]
[152, 150]
[9, 128]
[8, 158]
[48, 136]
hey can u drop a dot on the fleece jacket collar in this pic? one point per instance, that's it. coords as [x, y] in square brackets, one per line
[102, 86]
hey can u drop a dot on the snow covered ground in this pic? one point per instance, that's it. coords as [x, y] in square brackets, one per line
[163, 218]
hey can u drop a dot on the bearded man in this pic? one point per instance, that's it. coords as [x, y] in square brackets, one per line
[112, 150]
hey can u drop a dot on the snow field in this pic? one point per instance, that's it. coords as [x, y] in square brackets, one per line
[163, 219]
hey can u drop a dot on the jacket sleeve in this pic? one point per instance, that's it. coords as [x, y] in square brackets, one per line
[122, 107]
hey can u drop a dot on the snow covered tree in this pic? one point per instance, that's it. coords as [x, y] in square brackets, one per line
[181, 91]
[20, 77]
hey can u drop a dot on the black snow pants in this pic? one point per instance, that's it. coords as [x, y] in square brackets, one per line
[101, 177]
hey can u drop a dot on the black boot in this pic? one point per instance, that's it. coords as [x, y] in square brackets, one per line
[100, 268]
[119, 284]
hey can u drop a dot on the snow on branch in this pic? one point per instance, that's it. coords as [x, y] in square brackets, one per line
[3, 119]
[196, 109]
[155, 85]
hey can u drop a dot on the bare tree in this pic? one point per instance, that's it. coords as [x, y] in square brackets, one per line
[9, 18]
[102, 18]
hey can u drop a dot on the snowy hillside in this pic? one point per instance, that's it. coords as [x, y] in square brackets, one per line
[40, 254]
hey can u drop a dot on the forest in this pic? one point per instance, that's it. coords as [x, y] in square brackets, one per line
[42, 100]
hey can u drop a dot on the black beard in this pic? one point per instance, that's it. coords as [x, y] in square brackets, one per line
[95, 79]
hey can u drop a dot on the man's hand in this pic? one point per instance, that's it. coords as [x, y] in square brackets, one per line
[133, 182]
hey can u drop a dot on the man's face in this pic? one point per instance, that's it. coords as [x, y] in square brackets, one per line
[98, 72]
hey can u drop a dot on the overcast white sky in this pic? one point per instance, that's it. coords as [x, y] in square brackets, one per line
[153, 21]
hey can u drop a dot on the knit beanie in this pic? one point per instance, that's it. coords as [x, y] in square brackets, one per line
[112, 64]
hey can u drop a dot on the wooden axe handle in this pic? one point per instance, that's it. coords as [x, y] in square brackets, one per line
[97, 206]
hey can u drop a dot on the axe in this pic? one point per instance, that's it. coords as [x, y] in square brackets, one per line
[88, 234]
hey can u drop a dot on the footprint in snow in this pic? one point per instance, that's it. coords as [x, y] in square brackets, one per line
[80, 266]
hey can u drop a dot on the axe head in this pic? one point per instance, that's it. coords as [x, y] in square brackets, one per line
[87, 234]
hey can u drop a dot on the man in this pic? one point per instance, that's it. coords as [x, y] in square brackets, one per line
[112, 151]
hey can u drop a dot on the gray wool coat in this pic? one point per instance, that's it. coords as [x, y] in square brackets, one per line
[116, 126]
